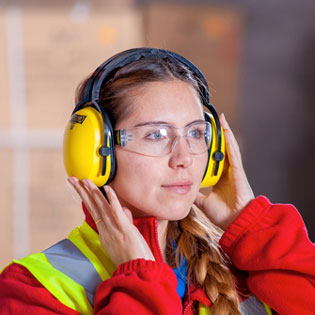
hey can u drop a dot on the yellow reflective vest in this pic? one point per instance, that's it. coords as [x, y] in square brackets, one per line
[72, 269]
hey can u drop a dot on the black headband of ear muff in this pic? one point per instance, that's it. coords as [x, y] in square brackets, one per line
[107, 69]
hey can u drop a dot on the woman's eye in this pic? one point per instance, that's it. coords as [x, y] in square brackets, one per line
[196, 133]
[157, 134]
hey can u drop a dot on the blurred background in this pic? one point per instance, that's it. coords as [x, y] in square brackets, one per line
[258, 57]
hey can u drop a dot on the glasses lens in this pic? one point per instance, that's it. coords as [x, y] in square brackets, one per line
[199, 136]
[153, 140]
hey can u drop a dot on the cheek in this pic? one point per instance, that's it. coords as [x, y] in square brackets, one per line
[133, 170]
[200, 165]
[133, 175]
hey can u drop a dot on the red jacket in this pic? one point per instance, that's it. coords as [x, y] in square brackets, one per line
[268, 241]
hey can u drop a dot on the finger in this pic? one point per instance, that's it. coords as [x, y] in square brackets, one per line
[92, 203]
[102, 214]
[103, 208]
[88, 200]
[82, 192]
[95, 192]
[199, 201]
[111, 210]
[128, 214]
[233, 149]
[118, 214]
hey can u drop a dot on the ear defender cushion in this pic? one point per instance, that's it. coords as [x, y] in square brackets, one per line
[83, 138]
[210, 179]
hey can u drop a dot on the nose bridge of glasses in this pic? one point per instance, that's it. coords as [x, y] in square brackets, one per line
[176, 140]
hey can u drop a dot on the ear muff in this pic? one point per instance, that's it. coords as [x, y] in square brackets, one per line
[216, 156]
[83, 150]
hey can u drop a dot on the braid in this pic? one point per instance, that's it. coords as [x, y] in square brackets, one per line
[196, 239]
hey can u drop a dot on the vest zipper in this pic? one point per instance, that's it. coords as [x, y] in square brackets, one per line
[157, 239]
[186, 307]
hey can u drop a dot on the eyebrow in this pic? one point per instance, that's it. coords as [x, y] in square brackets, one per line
[159, 122]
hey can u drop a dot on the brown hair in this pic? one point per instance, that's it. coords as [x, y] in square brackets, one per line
[196, 237]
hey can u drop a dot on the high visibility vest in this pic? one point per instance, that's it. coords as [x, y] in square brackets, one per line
[72, 269]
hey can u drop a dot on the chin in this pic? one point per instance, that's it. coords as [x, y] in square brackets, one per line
[175, 213]
[171, 210]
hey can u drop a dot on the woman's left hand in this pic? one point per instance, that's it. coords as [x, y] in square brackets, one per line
[232, 193]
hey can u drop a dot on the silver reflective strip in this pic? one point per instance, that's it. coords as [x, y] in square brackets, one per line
[68, 259]
[252, 306]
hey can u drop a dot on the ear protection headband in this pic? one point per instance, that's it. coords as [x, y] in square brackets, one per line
[88, 146]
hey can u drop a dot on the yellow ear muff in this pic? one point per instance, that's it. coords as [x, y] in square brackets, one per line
[83, 138]
[210, 179]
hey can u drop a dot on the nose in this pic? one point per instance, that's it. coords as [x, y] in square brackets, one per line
[180, 156]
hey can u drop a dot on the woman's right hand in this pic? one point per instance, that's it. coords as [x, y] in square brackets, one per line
[117, 233]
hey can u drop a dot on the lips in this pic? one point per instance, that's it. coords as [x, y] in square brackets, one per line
[181, 188]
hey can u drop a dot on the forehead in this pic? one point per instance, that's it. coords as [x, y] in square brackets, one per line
[173, 102]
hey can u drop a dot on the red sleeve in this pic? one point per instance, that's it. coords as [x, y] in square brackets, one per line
[270, 242]
[139, 287]
[21, 293]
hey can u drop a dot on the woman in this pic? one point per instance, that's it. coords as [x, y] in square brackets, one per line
[157, 251]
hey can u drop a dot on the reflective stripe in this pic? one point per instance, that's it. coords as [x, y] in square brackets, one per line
[252, 306]
[88, 242]
[68, 259]
[204, 310]
[268, 309]
[63, 288]
[72, 269]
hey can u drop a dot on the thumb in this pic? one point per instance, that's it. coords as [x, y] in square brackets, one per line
[199, 201]
[128, 214]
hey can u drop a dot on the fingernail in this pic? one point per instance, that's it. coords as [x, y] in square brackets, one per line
[70, 180]
[85, 183]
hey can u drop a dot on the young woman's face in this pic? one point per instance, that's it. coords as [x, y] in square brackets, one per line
[163, 186]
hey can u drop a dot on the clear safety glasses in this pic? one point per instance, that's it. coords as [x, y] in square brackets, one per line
[161, 139]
